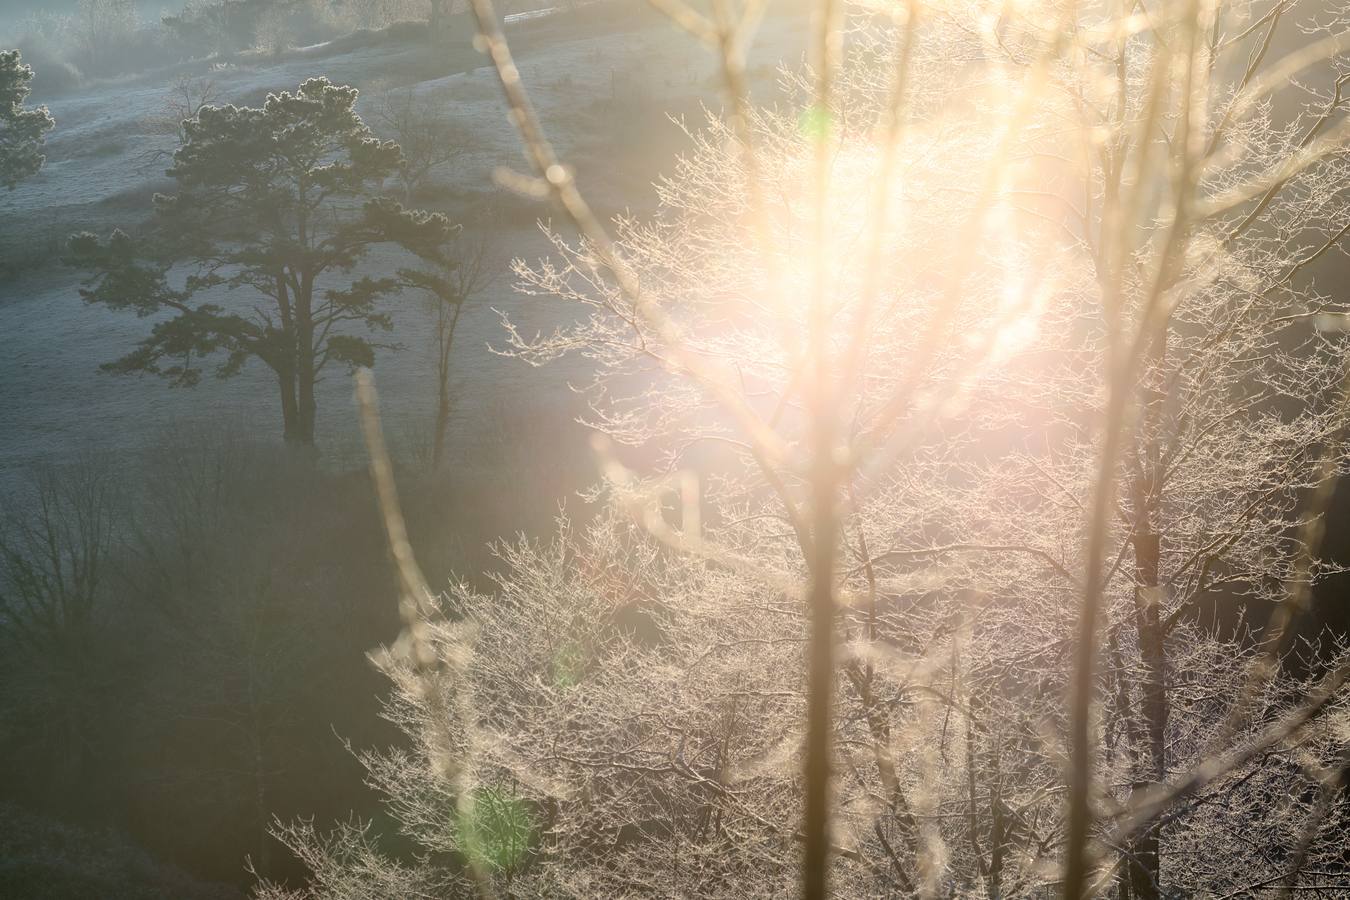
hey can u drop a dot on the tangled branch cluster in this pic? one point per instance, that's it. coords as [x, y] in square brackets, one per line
[999, 341]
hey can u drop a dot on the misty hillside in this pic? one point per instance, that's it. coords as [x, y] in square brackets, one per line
[717, 449]
[14, 13]
[108, 157]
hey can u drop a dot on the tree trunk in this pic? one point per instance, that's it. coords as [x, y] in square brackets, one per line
[1144, 865]
[447, 321]
[305, 375]
[289, 407]
[306, 406]
[74, 788]
[284, 366]
[820, 671]
[997, 829]
[438, 19]
[441, 426]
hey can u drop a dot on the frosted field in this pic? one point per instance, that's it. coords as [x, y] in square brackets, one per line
[54, 403]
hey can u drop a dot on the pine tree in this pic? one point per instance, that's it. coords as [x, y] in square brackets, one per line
[22, 130]
[281, 201]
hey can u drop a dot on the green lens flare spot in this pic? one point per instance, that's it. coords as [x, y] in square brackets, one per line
[568, 665]
[814, 123]
[494, 830]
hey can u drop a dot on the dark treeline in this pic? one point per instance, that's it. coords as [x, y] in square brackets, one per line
[183, 657]
[183, 650]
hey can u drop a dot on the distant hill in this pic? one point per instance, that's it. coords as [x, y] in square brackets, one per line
[13, 12]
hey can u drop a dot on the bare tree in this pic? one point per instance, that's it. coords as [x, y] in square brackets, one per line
[429, 138]
[56, 544]
[229, 581]
[186, 98]
[103, 32]
[994, 345]
[448, 286]
[438, 15]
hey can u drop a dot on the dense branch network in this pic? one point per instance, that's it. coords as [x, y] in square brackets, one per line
[1085, 383]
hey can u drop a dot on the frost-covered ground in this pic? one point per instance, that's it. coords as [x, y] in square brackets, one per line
[586, 77]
